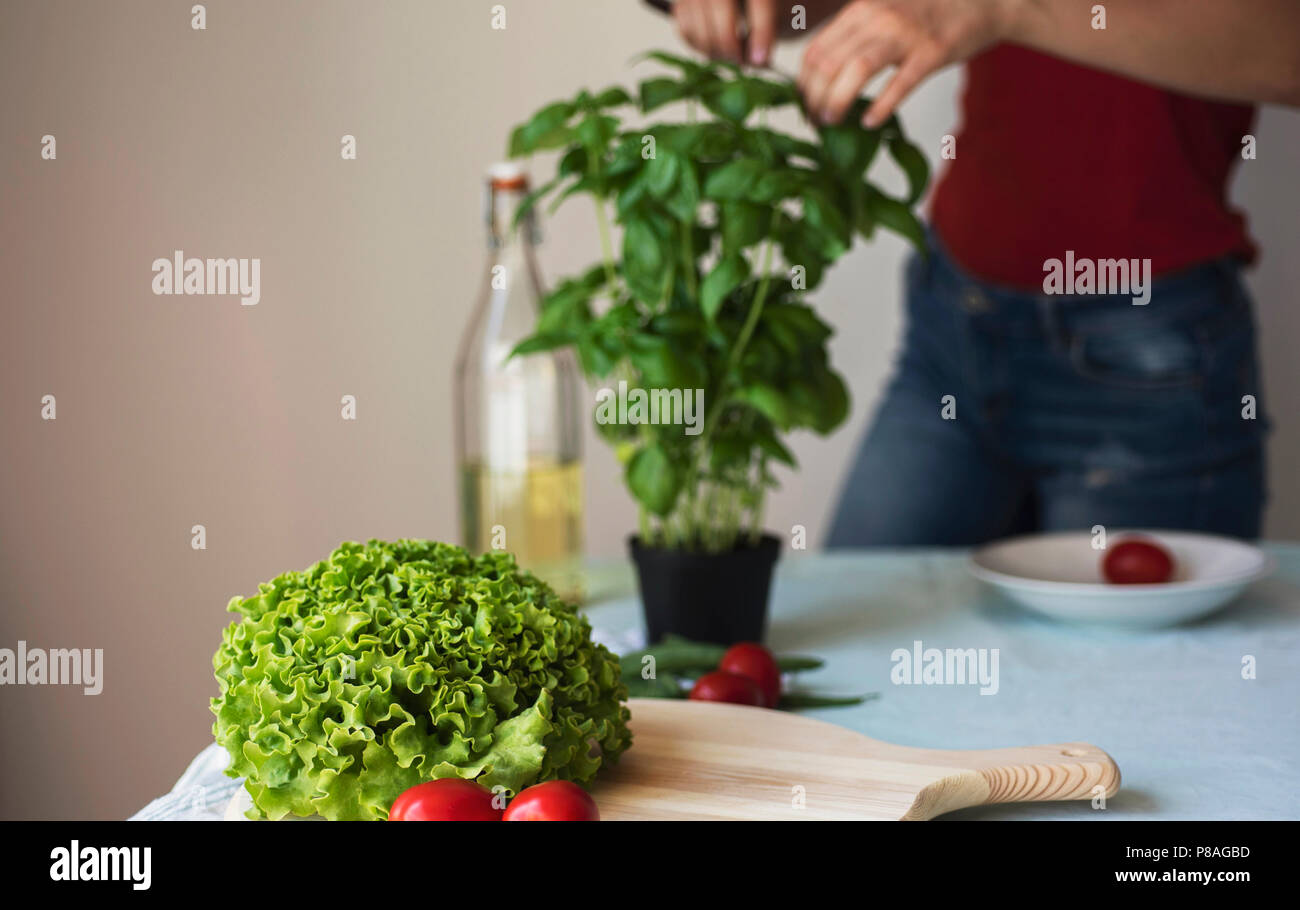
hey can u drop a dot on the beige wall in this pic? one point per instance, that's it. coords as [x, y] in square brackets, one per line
[176, 411]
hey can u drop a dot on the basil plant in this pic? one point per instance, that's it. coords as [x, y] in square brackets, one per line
[726, 226]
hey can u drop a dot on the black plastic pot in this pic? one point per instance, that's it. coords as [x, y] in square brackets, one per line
[714, 597]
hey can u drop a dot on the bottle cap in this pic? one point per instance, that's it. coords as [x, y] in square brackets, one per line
[507, 175]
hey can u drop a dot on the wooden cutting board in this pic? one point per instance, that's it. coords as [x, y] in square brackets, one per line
[703, 760]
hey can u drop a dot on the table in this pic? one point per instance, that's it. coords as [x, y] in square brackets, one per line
[1193, 739]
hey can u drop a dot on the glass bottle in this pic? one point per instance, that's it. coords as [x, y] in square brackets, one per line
[518, 437]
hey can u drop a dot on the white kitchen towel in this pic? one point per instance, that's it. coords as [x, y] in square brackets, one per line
[201, 794]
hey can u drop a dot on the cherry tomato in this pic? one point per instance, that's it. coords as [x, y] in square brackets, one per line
[553, 801]
[449, 799]
[721, 685]
[1137, 562]
[755, 661]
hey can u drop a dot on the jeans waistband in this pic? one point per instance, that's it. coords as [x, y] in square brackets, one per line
[1210, 282]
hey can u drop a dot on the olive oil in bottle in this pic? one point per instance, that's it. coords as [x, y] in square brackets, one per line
[518, 436]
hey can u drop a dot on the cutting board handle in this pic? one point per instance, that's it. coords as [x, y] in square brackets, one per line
[707, 760]
[1023, 774]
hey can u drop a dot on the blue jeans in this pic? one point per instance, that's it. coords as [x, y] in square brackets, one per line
[1065, 412]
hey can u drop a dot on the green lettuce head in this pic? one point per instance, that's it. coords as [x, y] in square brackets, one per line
[390, 664]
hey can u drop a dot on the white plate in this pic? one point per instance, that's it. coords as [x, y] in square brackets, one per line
[1060, 575]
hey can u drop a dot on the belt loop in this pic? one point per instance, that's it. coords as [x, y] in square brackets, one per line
[1049, 315]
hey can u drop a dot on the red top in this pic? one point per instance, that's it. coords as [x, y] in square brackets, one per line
[1053, 156]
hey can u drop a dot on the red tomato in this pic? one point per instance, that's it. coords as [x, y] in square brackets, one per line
[756, 662]
[553, 801]
[721, 685]
[450, 799]
[1137, 562]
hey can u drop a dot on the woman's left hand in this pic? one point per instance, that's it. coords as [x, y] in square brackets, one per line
[917, 36]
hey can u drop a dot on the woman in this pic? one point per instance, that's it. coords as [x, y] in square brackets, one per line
[1097, 141]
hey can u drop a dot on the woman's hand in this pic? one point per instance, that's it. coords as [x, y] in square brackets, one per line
[712, 27]
[916, 36]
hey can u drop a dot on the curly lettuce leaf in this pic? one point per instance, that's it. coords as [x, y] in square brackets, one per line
[389, 664]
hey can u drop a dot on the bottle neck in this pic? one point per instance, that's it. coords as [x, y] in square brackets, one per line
[499, 213]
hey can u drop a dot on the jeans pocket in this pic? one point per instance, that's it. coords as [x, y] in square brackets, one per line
[1140, 357]
[1203, 318]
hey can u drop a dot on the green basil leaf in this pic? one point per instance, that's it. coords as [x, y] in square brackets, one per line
[626, 157]
[776, 185]
[677, 656]
[848, 148]
[595, 277]
[655, 93]
[595, 130]
[733, 179]
[896, 216]
[782, 334]
[663, 364]
[768, 401]
[596, 359]
[826, 219]
[732, 269]
[794, 701]
[743, 224]
[823, 399]
[644, 259]
[913, 163]
[781, 144]
[587, 184]
[542, 130]
[565, 309]
[526, 204]
[573, 162]
[797, 250]
[663, 685]
[689, 67]
[612, 97]
[556, 138]
[661, 173]
[678, 322]
[630, 196]
[564, 320]
[766, 93]
[773, 448]
[794, 663]
[864, 223]
[728, 453]
[535, 343]
[801, 320]
[685, 197]
[730, 100]
[714, 142]
[653, 479]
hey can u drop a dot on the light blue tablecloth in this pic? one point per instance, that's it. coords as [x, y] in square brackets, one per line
[1192, 738]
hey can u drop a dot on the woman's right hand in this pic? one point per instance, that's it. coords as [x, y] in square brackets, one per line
[712, 27]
